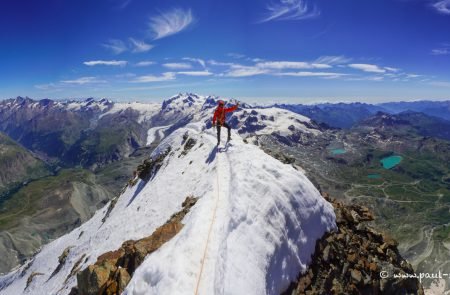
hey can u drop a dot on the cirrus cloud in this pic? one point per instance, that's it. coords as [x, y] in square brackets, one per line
[196, 73]
[442, 6]
[368, 68]
[290, 10]
[170, 22]
[92, 63]
[152, 78]
[177, 65]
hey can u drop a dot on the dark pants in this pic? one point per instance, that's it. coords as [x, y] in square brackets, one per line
[218, 131]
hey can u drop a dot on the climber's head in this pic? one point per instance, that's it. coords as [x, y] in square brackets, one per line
[220, 103]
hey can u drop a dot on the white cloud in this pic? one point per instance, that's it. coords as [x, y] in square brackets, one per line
[152, 78]
[290, 10]
[367, 68]
[442, 6]
[219, 63]
[391, 69]
[140, 46]
[196, 73]
[311, 74]
[116, 46]
[440, 51]
[333, 60]
[197, 60]
[235, 55]
[177, 65]
[245, 71]
[170, 22]
[279, 65]
[413, 76]
[144, 63]
[92, 63]
[83, 81]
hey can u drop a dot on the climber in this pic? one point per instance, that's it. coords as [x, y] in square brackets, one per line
[219, 116]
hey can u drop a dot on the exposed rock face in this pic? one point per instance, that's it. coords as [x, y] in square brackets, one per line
[113, 270]
[356, 259]
[150, 167]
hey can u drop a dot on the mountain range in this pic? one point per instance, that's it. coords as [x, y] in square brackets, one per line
[105, 163]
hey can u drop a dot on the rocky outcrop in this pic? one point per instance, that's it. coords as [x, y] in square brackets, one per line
[113, 270]
[149, 167]
[356, 259]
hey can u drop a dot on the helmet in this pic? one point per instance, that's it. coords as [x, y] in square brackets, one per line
[221, 102]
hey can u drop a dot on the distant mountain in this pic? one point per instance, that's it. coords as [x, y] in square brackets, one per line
[346, 115]
[339, 115]
[440, 109]
[18, 165]
[87, 133]
[409, 121]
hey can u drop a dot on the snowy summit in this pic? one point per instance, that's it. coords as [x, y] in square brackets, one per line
[252, 230]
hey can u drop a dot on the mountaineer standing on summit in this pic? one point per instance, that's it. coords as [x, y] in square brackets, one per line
[220, 116]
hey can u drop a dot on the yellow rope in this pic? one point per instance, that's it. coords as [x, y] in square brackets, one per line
[210, 230]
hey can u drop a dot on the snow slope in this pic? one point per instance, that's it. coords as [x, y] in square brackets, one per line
[252, 231]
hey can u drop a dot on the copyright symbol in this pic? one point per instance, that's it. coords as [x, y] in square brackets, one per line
[384, 274]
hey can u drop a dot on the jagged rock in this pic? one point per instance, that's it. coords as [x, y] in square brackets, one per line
[111, 206]
[31, 277]
[349, 260]
[76, 268]
[62, 260]
[356, 275]
[150, 167]
[190, 142]
[113, 270]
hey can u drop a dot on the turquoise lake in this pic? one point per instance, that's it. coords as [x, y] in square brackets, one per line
[338, 151]
[391, 162]
[374, 176]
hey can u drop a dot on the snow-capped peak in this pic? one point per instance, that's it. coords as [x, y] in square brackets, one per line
[252, 230]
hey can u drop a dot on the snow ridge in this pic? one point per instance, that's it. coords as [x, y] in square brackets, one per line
[266, 224]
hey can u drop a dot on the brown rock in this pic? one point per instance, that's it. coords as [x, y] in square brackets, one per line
[356, 275]
[123, 279]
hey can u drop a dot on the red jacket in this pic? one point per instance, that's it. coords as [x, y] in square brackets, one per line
[219, 114]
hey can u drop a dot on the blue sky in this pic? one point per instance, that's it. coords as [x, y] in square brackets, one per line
[255, 50]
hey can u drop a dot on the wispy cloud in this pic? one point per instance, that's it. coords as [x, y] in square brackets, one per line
[177, 66]
[219, 63]
[48, 86]
[440, 51]
[333, 60]
[368, 68]
[139, 46]
[245, 71]
[83, 81]
[290, 10]
[391, 69]
[196, 73]
[197, 60]
[311, 74]
[168, 76]
[115, 46]
[124, 3]
[235, 55]
[144, 63]
[92, 63]
[170, 22]
[442, 6]
[280, 65]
